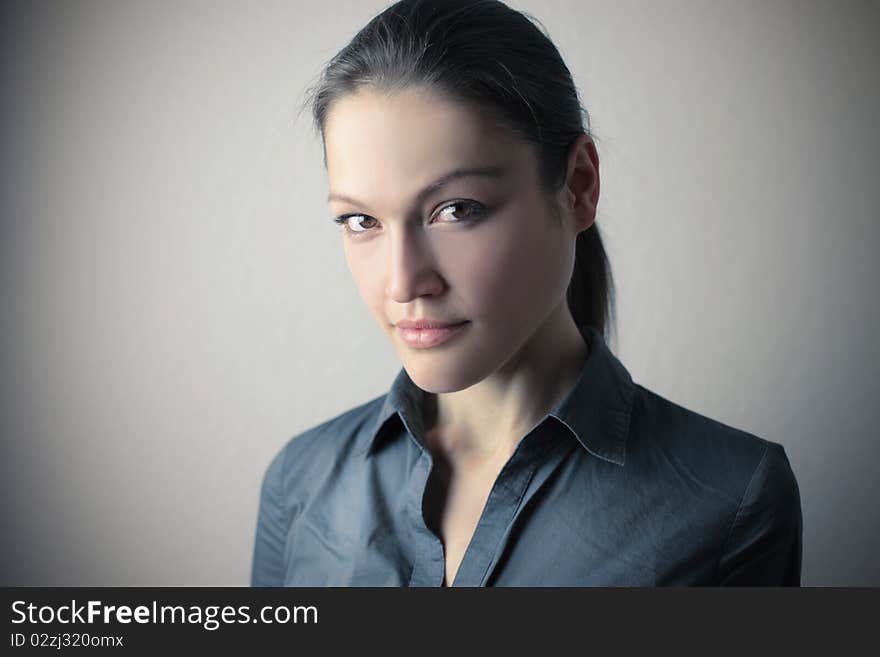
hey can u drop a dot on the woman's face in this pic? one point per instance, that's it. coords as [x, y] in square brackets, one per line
[482, 247]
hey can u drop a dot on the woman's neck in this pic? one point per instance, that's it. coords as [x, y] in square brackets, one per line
[485, 422]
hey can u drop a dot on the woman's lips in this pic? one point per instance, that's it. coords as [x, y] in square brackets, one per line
[429, 337]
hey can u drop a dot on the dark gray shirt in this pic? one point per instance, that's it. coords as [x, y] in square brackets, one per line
[615, 486]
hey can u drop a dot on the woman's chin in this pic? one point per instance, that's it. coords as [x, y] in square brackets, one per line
[432, 375]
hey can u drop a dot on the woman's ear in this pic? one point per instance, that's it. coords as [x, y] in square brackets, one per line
[582, 182]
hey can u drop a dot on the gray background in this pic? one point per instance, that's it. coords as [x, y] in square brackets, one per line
[176, 304]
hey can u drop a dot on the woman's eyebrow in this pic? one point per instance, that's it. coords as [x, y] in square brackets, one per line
[494, 172]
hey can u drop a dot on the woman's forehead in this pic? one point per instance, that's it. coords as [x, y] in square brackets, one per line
[407, 133]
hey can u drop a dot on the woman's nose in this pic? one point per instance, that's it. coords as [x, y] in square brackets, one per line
[411, 270]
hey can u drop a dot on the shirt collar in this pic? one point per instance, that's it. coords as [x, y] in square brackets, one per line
[596, 410]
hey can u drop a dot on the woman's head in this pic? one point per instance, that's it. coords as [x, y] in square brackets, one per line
[428, 88]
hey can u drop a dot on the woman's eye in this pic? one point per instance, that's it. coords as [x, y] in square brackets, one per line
[350, 222]
[356, 225]
[462, 210]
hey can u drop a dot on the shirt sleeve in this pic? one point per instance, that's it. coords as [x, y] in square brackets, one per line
[764, 545]
[272, 527]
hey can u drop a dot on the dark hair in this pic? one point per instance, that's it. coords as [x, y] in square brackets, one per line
[495, 57]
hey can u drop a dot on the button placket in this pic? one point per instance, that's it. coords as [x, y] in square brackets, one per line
[503, 504]
[429, 564]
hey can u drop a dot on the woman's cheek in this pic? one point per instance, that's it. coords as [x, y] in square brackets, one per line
[369, 287]
[489, 272]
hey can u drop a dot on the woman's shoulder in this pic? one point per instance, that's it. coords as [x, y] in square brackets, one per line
[710, 479]
[686, 444]
[322, 446]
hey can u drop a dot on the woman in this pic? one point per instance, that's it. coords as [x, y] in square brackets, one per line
[513, 448]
